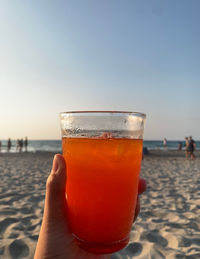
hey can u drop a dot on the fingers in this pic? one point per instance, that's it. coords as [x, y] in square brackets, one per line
[142, 186]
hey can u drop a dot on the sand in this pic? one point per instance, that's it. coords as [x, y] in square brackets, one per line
[168, 225]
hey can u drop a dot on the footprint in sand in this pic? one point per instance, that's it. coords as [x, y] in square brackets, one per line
[18, 249]
[134, 249]
[2, 250]
[5, 223]
[154, 237]
[186, 242]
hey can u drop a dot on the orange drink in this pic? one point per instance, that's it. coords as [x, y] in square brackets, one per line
[102, 187]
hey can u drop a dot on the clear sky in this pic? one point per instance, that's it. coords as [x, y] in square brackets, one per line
[130, 55]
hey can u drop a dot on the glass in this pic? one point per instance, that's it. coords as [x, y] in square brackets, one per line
[103, 151]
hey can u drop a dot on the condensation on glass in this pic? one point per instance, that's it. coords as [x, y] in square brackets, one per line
[115, 124]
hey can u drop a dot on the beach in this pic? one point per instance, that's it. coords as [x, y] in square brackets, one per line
[168, 225]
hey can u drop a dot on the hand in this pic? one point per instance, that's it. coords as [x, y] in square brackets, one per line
[55, 239]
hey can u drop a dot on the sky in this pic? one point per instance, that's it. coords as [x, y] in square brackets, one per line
[132, 55]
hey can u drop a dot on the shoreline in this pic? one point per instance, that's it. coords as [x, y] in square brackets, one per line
[152, 152]
[169, 153]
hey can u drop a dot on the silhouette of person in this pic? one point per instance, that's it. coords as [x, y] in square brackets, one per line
[186, 147]
[17, 145]
[21, 142]
[26, 144]
[180, 146]
[9, 144]
[165, 143]
[191, 148]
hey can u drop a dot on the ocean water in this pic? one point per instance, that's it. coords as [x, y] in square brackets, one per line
[55, 145]
[171, 145]
[35, 145]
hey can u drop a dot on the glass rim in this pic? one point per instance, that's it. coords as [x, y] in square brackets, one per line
[139, 114]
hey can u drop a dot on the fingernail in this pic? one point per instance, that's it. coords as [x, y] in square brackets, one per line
[55, 164]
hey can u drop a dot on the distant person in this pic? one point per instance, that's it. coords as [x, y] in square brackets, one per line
[165, 143]
[145, 151]
[9, 145]
[21, 143]
[186, 147]
[191, 148]
[26, 144]
[180, 146]
[17, 145]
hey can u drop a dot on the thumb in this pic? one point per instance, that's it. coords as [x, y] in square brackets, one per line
[55, 201]
[54, 231]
